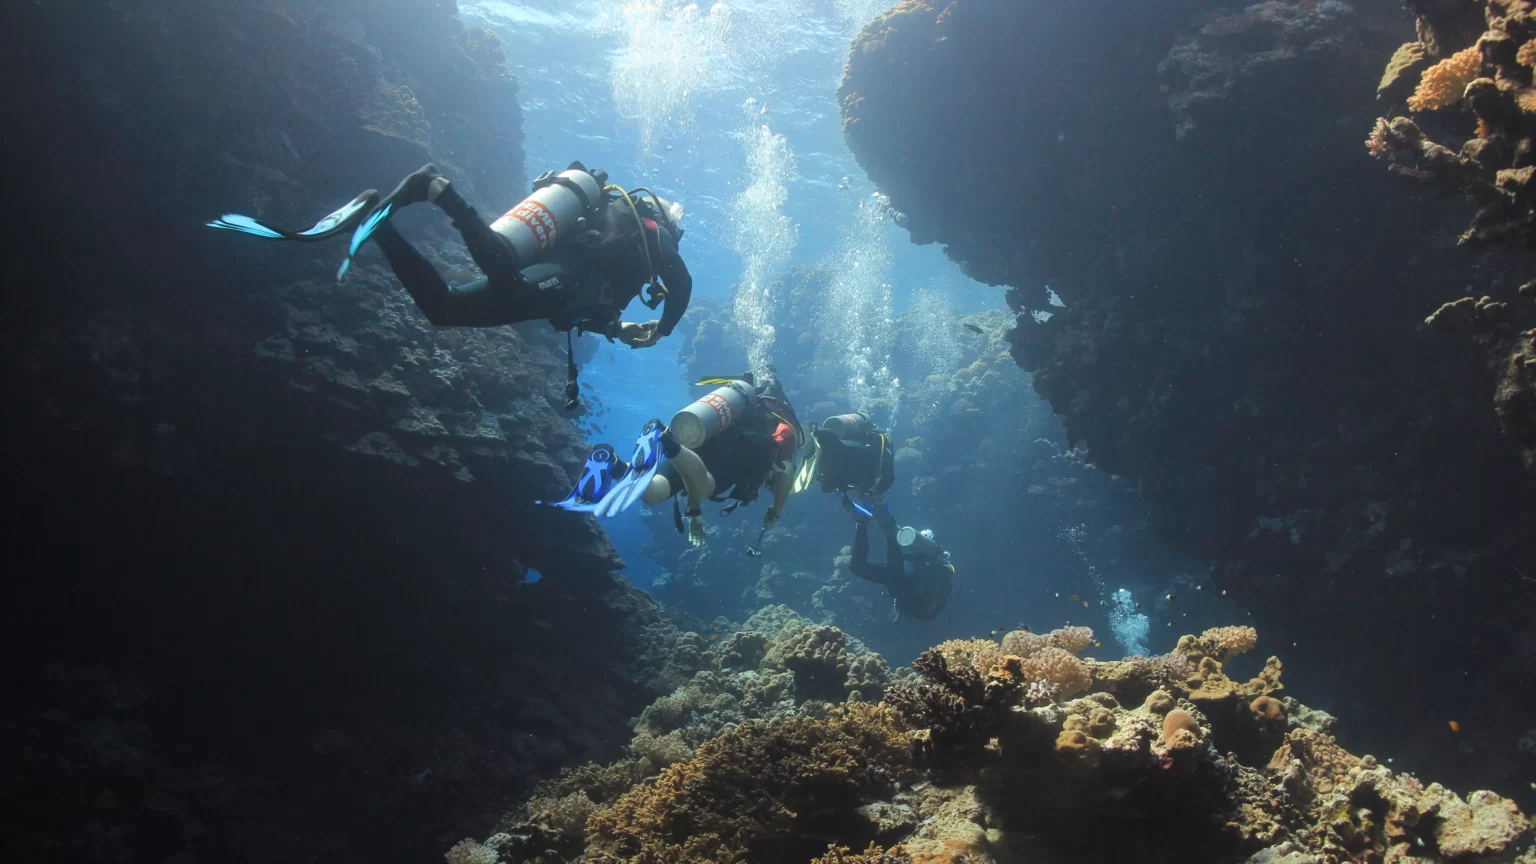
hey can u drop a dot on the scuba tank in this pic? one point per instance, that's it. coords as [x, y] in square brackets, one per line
[557, 206]
[919, 543]
[711, 414]
[849, 426]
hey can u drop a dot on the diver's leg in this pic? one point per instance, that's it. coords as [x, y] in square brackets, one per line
[662, 485]
[481, 303]
[859, 563]
[697, 480]
[492, 252]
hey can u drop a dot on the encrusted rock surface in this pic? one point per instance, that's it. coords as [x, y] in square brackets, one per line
[1243, 337]
[291, 514]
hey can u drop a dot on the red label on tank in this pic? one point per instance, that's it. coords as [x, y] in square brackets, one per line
[539, 220]
[722, 407]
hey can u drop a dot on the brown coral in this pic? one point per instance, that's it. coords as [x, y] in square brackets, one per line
[1443, 83]
[873, 855]
[1180, 729]
[756, 786]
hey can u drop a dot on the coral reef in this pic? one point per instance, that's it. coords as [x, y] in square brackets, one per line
[1365, 471]
[1040, 782]
[758, 790]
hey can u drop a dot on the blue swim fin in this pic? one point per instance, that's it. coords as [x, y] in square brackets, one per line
[332, 225]
[603, 470]
[862, 510]
[361, 235]
[642, 467]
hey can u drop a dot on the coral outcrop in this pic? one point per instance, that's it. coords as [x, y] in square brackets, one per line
[1187, 181]
[1034, 782]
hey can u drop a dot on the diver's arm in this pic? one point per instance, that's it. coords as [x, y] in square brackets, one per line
[674, 274]
[782, 483]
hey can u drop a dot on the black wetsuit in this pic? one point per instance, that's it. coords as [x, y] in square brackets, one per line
[866, 467]
[586, 281]
[920, 588]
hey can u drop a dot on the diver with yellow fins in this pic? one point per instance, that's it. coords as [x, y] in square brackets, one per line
[575, 252]
[727, 446]
[851, 458]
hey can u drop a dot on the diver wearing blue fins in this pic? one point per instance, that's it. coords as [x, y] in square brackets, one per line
[575, 252]
[726, 446]
[916, 572]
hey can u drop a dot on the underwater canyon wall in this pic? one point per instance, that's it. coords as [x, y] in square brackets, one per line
[265, 561]
[1244, 334]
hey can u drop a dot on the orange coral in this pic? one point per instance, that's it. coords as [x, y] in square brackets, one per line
[1060, 668]
[1527, 54]
[1224, 643]
[979, 654]
[1023, 643]
[1443, 83]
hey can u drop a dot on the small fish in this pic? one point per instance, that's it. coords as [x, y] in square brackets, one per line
[714, 636]
[1455, 727]
[1085, 604]
[976, 329]
[1058, 595]
[1074, 598]
[1138, 604]
[1199, 587]
[769, 644]
[1172, 596]
[545, 624]
[1170, 623]
[1223, 592]
[1102, 603]
[1097, 644]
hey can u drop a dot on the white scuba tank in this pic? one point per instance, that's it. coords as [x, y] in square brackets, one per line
[539, 221]
[847, 426]
[712, 413]
[914, 541]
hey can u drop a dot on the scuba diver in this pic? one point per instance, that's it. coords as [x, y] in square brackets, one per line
[916, 573]
[853, 459]
[728, 445]
[575, 252]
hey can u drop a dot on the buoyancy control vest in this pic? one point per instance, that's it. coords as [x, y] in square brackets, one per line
[742, 455]
[607, 239]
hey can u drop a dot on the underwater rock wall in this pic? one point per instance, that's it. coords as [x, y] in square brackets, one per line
[288, 517]
[1243, 336]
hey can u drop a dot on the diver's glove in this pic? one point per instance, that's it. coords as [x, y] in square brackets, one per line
[770, 519]
[698, 532]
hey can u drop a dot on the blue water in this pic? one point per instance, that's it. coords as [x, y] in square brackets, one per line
[787, 58]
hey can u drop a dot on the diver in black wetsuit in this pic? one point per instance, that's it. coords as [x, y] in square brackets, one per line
[917, 573]
[584, 273]
[585, 282]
